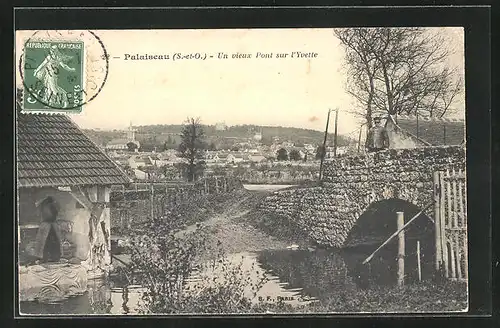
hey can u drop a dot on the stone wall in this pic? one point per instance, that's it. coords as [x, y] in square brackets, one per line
[72, 219]
[328, 212]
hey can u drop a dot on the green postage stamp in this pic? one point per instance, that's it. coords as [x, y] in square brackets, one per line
[54, 76]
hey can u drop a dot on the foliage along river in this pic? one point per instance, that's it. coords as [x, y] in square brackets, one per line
[297, 275]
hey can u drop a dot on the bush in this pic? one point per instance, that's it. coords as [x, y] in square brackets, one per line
[164, 262]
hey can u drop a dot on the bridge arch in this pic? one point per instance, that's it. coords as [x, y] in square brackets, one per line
[374, 226]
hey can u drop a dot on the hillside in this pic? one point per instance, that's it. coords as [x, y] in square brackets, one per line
[159, 134]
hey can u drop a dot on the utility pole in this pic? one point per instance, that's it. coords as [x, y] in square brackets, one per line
[323, 150]
[335, 135]
[359, 138]
[416, 114]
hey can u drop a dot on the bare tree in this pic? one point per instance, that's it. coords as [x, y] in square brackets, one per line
[399, 71]
[191, 147]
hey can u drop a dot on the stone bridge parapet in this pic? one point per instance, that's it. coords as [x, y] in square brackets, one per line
[328, 212]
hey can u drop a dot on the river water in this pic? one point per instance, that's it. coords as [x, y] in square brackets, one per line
[296, 276]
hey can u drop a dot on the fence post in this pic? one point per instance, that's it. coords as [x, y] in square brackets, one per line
[437, 222]
[419, 267]
[401, 248]
[463, 212]
[443, 224]
[152, 201]
[451, 224]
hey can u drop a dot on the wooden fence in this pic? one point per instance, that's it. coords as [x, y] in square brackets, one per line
[450, 213]
[140, 202]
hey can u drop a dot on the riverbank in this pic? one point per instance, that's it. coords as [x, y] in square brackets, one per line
[232, 230]
[426, 297]
[236, 226]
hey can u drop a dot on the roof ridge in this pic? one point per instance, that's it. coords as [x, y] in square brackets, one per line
[408, 132]
[59, 150]
[97, 147]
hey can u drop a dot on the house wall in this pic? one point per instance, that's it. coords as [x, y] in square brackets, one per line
[140, 174]
[399, 139]
[73, 220]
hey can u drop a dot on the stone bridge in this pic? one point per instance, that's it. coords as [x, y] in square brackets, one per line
[328, 212]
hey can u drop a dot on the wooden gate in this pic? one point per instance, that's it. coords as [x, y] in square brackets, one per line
[450, 213]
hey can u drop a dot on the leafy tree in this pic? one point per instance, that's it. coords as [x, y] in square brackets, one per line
[191, 148]
[320, 151]
[282, 155]
[399, 71]
[131, 146]
[212, 146]
[295, 155]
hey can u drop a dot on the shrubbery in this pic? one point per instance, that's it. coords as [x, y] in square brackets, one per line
[184, 273]
[168, 265]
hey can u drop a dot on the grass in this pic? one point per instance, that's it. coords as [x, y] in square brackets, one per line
[425, 297]
[277, 226]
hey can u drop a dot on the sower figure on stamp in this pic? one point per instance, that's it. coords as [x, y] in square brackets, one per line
[377, 138]
[48, 74]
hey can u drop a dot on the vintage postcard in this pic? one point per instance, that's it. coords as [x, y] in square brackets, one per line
[241, 171]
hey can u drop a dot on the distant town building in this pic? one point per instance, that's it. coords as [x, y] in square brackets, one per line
[257, 158]
[122, 144]
[221, 126]
[258, 136]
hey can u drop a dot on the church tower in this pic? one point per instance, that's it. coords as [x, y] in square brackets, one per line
[131, 133]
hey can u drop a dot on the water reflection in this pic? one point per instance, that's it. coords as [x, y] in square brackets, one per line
[100, 299]
[294, 276]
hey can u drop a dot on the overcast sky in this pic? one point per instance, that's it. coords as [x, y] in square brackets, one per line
[287, 92]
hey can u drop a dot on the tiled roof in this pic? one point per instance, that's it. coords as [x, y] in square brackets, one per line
[53, 151]
[435, 131]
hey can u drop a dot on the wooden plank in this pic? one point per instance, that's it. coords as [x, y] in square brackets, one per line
[457, 224]
[456, 229]
[450, 224]
[465, 257]
[464, 224]
[29, 226]
[453, 271]
[92, 193]
[419, 267]
[454, 196]
[152, 203]
[442, 211]
[458, 258]
[369, 258]
[437, 221]
[458, 176]
[401, 248]
[449, 221]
